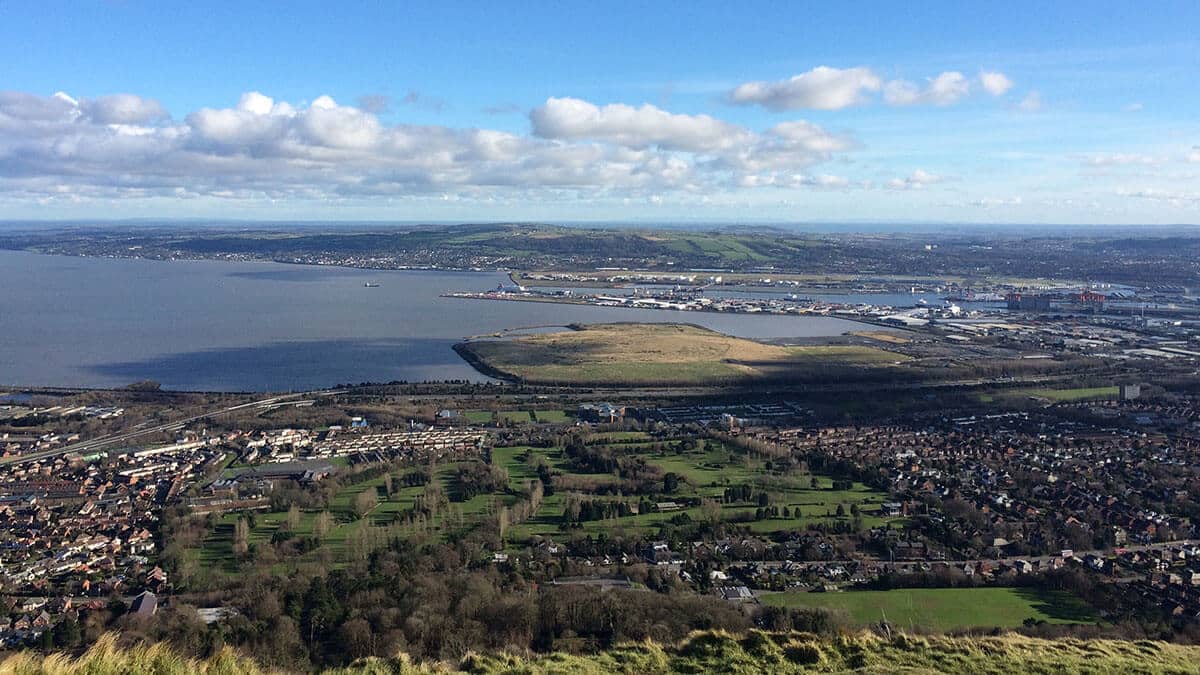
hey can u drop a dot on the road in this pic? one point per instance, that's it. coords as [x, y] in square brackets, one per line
[911, 565]
[175, 425]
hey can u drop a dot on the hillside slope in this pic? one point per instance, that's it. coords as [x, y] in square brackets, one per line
[756, 652]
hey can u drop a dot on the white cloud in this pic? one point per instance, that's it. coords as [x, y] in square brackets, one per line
[824, 181]
[123, 109]
[1171, 197]
[1133, 107]
[1031, 103]
[1123, 159]
[945, 89]
[822, 88]
[1194, 155]
[57, 146]
[995, 202]
[574, 119]
[328, 124]
[808, 136]
[917, 180]
[784, 147]
[995, 83]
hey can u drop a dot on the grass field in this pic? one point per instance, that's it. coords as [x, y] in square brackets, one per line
[554, 416]
[1053, 395]
[659, 354]
[943, 609]
[1079, 394]
[478, 416]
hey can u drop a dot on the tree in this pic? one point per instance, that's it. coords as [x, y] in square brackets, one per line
[670, 482]
[322, 524]
[67, 634]
[321, 609]
[365, 502]
[502, 521]
[293, 518]
[358, 637]
[241, 537]
[841, 510]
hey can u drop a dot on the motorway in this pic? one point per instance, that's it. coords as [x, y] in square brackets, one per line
[126, 437]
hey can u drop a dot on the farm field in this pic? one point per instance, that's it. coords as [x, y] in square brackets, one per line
[944, 609]
[660, 354]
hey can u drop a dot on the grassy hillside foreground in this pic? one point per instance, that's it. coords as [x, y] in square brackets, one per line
[757, 652]
[656, 354]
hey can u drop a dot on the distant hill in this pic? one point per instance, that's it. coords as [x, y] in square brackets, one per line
[755, 652]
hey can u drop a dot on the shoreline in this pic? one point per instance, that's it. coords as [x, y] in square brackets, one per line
[582, 302]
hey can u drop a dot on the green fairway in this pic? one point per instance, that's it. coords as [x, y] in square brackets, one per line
[478, 416]
[706, 469]
[553, 416]
[1079, 394]
[1052, 395]
[943, 609]
[514, 416]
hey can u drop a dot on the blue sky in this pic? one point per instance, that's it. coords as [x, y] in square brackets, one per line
[751, 112]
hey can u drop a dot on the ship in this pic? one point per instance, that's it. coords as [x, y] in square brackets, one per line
[370, 284]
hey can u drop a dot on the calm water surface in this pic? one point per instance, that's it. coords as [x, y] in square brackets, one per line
[208, 325]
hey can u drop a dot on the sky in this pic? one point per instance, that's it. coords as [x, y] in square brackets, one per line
[754, 112]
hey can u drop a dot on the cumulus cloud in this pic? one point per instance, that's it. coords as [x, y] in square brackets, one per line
[785, 146]
[575, 119]
[995, 83]
[1194, 155]
[126, 146]
[822, 88]
[945, 89]
[123, 109]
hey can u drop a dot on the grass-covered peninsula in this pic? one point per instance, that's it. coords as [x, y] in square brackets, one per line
[658, 354]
